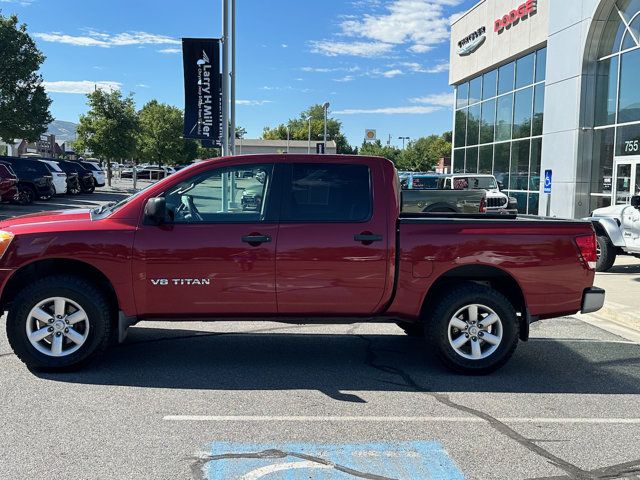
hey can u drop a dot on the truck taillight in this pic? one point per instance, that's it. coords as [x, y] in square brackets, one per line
[483, 205]
[588, 252]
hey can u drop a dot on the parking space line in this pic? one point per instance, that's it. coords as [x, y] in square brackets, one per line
[374, 419]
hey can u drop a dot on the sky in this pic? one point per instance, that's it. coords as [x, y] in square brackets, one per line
[381, 64]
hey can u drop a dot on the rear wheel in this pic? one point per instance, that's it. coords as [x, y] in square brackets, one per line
[59, 323]
[474, 329]
[89, 189]
[27, 195]
[606, 253]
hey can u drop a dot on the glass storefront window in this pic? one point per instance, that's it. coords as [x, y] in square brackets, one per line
[535, 164]
[489, 84]
[461, 128]
[519, 165]
[598, 201]
[534, 204]
[628, 141]
[505, 78]
[488, 121]
[504, 117]
[524, 71]
[471, 162]
[606, 91]
[485, 164]
[462, 95]
[458, 161]
[538, 110]
[473, 125]
[629, 101]
[602, 166]
[501, 163]
[475, 90]
[522, 201]
[522, 113]
[541, 65]
[612, 34]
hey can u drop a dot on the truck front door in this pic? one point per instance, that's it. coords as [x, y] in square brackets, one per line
[332, 252]
[215, 253]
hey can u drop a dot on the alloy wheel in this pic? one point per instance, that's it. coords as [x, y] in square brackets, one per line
[475, 332]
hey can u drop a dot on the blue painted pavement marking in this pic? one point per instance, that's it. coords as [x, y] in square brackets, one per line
[297, 461]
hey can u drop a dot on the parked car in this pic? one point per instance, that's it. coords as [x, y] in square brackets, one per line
[497, 202]
[330, 242]
[146, 173]
[617, 232]
[8, 184]
[59, 177]
[85, 177]
[421, 193]
[34, 179]
[99, 175]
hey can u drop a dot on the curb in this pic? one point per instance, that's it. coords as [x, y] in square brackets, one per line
[606, 319]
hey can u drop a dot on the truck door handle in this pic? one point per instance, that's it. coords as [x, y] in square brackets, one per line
[256, 240]
[367, 238]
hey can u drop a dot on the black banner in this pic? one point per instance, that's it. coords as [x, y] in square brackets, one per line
[202, 89]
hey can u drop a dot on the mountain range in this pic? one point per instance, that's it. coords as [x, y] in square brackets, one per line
[64, 131]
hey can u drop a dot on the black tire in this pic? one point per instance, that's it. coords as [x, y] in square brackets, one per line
[606, 253]
[48, 197]
[80, 291]
[437, 328]
[90, 189]
[27, 196]
[414, 330]
[74, 191]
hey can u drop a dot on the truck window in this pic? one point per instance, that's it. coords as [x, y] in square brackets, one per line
[327, 193]
[222, 195]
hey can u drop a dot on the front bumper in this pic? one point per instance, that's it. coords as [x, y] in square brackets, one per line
[592, 300]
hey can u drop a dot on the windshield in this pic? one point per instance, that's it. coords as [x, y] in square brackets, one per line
[474, 183]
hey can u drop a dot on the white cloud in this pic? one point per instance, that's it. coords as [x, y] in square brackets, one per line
[393, 73]
[253, 103]
[346, 78]
[357, 49]
[284, 45]
[94, 38]
[411, 110]
[170, 51]
[24, 3]
[419, 24]
[438, 99]
[80, 87]
[142, 85]
[418, 68]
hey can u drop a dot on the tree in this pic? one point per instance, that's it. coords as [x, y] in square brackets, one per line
[299, 129]
[376, 149]
[160, 135]
[24, 104]
[109, 129]
[424, 153]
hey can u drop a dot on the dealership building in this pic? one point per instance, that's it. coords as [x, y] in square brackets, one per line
[550, 85]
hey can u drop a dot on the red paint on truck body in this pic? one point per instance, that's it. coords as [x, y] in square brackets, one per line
[314, 269]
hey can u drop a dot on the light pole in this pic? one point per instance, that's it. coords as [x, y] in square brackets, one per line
[288, 137]
[309, 138]
[326, 108]
[403, 139]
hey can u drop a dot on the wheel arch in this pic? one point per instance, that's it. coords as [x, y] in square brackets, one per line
[609, 227]
[50, 266]
[488, 275]
[441, 207]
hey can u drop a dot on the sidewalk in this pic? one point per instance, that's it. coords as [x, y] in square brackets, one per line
[621, 310]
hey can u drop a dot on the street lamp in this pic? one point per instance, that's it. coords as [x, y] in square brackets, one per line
[326, 108]
[403, 139]
[309, 139]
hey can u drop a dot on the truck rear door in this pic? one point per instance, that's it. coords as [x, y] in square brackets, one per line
[332, 248]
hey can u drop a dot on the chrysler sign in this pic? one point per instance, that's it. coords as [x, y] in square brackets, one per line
[472, 42]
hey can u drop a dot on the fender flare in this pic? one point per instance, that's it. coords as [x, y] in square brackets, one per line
[610, 228]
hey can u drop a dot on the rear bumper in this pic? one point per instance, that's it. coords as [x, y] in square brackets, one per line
[592, 300]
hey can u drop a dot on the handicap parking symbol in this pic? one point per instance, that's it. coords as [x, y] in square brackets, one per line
[373, 461]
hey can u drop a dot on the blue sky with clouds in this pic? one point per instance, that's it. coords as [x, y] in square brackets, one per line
[382, 64]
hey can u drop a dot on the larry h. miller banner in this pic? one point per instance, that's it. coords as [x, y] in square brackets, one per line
[202, 89]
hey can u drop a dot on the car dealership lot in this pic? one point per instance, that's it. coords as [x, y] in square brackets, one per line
[565, 406]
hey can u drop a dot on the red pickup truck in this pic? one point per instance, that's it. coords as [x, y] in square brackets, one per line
[293, 238]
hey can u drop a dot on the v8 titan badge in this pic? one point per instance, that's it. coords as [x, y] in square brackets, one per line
[374, 461]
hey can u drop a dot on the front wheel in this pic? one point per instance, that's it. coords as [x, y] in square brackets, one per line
[474, 329]
[606, 252]
[59, 323]
[89, 189]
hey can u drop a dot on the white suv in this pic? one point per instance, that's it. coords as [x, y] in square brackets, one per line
[98, 173]
[59, 177]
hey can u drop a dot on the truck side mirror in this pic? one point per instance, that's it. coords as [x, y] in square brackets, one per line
[500, 186]
[155, 211]
[635, 201]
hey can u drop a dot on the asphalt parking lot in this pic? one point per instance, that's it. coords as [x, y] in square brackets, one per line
[251, 400]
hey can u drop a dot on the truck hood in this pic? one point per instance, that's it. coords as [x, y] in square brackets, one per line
[56, 216]
[614, 211]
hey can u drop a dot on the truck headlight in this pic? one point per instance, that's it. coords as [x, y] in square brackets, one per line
[5, 241]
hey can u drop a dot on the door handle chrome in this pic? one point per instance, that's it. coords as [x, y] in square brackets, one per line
[367, 238]
[255, 240]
